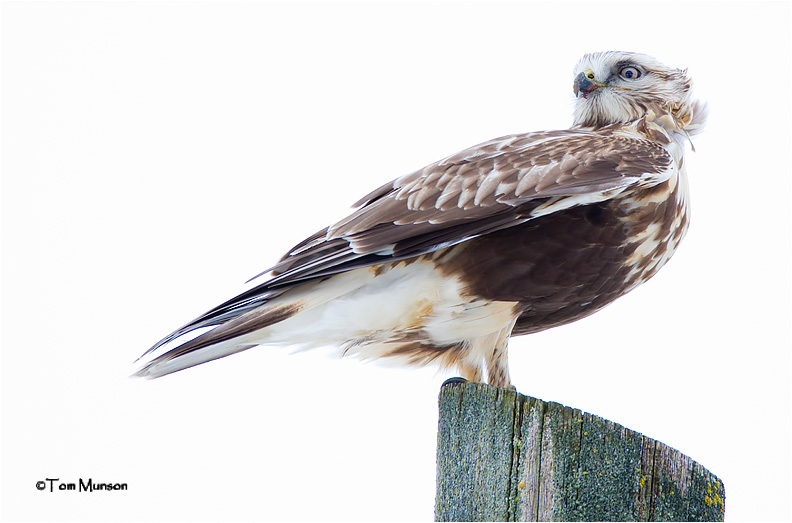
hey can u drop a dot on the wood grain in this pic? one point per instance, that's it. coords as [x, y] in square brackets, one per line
[502, 456]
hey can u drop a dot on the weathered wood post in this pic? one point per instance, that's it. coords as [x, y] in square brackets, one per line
[502, 456]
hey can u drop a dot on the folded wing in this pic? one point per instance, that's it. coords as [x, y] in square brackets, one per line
[495, 185]
[491, 186]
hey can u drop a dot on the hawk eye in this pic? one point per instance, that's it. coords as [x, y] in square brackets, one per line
[630, 73]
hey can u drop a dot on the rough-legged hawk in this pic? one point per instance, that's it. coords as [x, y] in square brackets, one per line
[509, 237]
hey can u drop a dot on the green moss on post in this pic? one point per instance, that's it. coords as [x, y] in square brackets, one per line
[502, 456]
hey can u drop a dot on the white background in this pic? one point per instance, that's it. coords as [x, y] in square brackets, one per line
[155, 155]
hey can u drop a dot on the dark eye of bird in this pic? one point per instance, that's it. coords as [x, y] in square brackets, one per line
[630, 73]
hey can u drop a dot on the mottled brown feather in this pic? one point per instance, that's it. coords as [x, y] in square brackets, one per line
[482, 189]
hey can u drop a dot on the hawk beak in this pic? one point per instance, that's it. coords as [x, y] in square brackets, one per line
[585, 84]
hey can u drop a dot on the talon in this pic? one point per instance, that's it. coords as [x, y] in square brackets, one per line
[454, 381]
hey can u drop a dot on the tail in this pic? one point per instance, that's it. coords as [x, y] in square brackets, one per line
[255, 317]
[230, 328]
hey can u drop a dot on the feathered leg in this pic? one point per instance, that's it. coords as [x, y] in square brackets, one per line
[498, 363]
[470, 372]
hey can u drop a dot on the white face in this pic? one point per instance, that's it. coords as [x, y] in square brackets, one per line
[614, 87]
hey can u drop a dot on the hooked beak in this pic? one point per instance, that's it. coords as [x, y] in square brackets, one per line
[585, 84]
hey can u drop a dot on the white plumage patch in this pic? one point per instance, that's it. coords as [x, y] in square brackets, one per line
[373, 315]
[368, 313]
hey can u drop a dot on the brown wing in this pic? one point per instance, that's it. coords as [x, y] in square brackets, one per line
[488, 187]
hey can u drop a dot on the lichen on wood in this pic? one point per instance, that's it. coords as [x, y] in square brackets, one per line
[502, 456]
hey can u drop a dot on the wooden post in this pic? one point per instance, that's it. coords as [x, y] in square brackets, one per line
[502, 456]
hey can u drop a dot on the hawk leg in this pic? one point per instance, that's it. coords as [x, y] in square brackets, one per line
[498, 365]
[470, 372]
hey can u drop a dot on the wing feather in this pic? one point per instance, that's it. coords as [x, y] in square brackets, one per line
[497, 184]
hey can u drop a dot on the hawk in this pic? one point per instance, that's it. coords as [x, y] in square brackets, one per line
[512, 236]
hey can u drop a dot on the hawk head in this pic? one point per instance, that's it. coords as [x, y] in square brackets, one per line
[617, 87]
